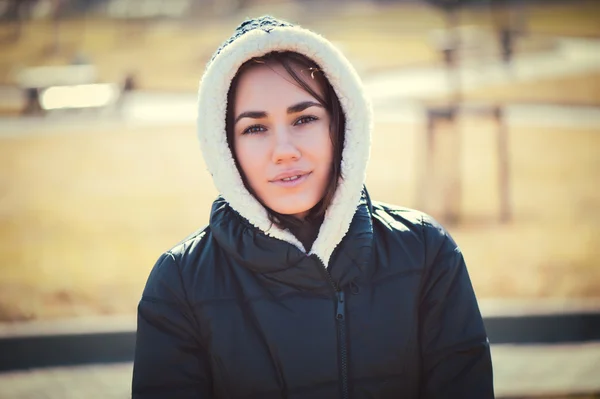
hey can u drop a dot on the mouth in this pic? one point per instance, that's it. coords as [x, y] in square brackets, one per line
[291, 180]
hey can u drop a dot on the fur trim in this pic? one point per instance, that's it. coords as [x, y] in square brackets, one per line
[212, 104]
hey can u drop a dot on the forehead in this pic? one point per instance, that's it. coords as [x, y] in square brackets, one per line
[271, 86]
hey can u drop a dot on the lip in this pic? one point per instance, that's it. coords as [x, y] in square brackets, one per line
[293, 183]
[289, 173]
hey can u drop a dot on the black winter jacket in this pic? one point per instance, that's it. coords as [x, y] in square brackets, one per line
[234, 313]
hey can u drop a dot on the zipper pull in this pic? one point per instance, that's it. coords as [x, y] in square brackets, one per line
[341, 306]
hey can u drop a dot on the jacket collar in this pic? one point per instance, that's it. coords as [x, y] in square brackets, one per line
[284, 263]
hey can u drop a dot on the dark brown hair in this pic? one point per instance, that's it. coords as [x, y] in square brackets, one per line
[330, 102]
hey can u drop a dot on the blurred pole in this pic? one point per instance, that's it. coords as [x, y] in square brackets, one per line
[510, 21]
[500, 20]
[16, 12]
[439, 184]
[452, 182]
[503, 164]
[451, 56]
[427, 149]
[438, 192]
[54, 45]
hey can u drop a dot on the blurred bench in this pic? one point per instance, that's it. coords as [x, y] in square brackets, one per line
[74, 86]
[440, 183]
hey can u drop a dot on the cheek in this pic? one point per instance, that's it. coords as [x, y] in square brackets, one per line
[323, 148]
[249, 157]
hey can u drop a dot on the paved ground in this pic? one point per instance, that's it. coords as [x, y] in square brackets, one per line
[546, 370]
[536, 371]
[85, 382]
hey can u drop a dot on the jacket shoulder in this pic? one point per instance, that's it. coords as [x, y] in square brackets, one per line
[165, 279]
[396, 216]
[412, 225]
[193, 243]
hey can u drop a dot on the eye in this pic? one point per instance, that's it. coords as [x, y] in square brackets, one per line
[305, 119]
[254, 129]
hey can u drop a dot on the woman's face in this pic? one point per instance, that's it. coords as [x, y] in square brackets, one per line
[281, 139]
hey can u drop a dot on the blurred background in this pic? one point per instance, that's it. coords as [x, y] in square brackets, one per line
[487, 116]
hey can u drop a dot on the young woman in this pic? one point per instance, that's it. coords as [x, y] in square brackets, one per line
[301, 286]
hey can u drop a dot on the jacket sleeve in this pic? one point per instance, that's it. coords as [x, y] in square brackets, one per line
[168, 361]
[455, 349]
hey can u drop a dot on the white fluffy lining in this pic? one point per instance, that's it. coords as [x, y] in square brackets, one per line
[212, 105]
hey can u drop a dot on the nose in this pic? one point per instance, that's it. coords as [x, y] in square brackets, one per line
[284, 147]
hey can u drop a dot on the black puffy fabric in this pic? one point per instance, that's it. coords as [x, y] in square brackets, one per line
[234, 313]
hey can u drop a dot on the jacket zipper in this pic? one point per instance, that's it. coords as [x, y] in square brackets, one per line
[340, 318]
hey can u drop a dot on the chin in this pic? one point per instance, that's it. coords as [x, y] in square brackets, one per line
[292, 206]
[290, 210]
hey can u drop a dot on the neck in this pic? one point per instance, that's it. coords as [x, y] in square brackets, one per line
[307, 232]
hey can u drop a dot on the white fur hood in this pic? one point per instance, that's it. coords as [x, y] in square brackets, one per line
[255, 38]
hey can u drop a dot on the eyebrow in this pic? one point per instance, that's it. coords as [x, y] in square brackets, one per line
[293, 109]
